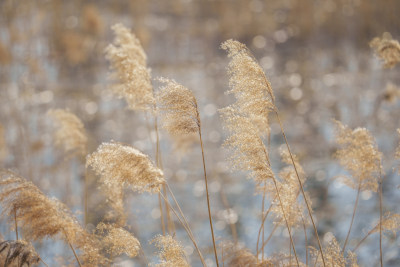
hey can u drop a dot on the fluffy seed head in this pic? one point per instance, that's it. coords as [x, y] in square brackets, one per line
[128, 61]
[171, 252]
[360, 156]
[70, 133]
[127, 166]
[333, 256]
[289, 191]
[387, 49]
[248, 83]
[18, 253]
[248, 150]
[40, 217]
[178, 108]
[118, 241]
[390, 223]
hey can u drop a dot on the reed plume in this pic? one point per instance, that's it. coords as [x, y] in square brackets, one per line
[178, 108]
[237, 256]
[289, 190]
[334, 257]
[386, 49]
[171, 252]
[249, 115]
[43, 217]
[128, 61]
[118, 241]
[18, 253]
[180, 116]
[248, 150]
[390, 223]
[121, 166]
[360, 156]
[70, 133]
[253, 93]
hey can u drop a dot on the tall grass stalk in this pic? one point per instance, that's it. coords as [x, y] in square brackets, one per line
[352, 217]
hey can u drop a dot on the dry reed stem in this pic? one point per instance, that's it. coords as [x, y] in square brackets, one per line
[208, 197]
[352, 217]
[181, 116]
[301, 185]
[380, 217]
[185, 225]
[225, 202]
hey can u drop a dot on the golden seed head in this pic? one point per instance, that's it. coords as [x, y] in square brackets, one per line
[249, 152]
[127, 166]
[360, 156]
[70, 133]
[178, 108]
[171, 252]
[128, 61]
[387, 49]
[248, 83]
[18, 253]
[118, 241]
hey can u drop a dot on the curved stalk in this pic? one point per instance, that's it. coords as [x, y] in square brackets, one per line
[301, 186]
[352, 217]
[208, 196]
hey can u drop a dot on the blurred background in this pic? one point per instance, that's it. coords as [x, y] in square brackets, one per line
[315, 53]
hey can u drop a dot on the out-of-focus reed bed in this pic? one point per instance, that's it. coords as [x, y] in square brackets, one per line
[127, 131]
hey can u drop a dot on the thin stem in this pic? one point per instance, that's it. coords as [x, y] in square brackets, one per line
[282, 209]
[271, 234]
[380, 216]
[352, 217]
[208, 198]
[158, 165]
[85, 197]
[286, 221]
[262, 227]
[227, 207]
[301, 185]
[365, 237]
[305, 237]
[161, 214]
[76, 256]
[187, 229]
[43, 262]
[263, 235]
[15, 222]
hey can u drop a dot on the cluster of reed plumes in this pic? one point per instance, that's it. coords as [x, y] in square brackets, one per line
[120, 167]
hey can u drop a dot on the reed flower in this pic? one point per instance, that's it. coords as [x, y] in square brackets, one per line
[387, 49]
[249, 152]
[334, 257]
[289, 190]
[178, 108]
[118, 241]
[127, 166]
[41, 217]
[171, 252]
[121, 166]
[253, 92]
[18, 253]
[360, 156]
[128, 61]
[390, 223]
[70, 133]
